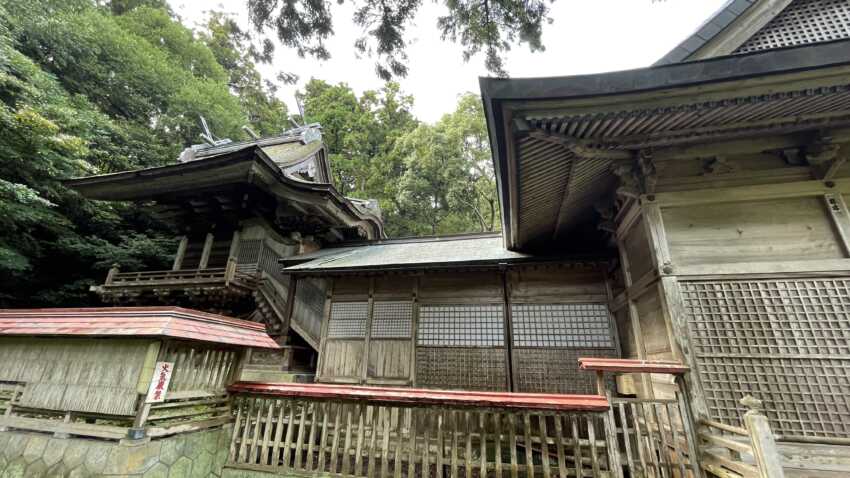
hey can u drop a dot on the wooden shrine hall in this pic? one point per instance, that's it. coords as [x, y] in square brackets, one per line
[669, 295]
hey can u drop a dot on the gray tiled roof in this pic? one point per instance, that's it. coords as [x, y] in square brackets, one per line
[708, 30]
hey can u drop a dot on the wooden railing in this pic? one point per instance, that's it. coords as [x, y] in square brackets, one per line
[740, 452]
[180, 413]
[371, 431]
[655, 435]
[223, 275]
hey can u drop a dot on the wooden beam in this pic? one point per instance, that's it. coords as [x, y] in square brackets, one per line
[772, 269]
[759, 192]
[579, 148]
[838, 213]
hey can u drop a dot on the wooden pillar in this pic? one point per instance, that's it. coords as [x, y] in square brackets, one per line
[234, 245]
[623, 229]
[110, 276]
[205, 254]
[672, 306]
[181, 253]
[323, 339]
[414, 330]
[508, 331]
[364, 373]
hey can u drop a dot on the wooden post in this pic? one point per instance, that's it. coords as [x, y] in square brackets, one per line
[181, 253]
[205, 254]
[234, 245]
[110, 276]
[600, 382]
[230, 270]
[765, 452]
[364, 372]
[326, 318]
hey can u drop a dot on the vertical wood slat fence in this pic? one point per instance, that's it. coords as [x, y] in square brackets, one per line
[384, 432]
[653, 438]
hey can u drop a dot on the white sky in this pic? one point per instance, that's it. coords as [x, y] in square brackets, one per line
[587, 36]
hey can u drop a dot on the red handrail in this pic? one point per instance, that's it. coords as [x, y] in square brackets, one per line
[631, 366]
[418, 396]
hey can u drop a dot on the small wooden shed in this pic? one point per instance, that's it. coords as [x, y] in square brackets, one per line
[99, 372]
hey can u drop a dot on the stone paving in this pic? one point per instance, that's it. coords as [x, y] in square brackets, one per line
[191, 455]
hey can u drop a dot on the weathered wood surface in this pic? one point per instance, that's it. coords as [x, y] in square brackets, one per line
[456, 330]
[347, 438]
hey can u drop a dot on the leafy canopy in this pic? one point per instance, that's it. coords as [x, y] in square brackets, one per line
[488, 26]
[89, 89]
[429, 179]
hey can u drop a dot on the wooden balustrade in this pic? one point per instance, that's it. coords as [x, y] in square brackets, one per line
[223, 275]
[655, 435]
[372, 431]
[740, 452]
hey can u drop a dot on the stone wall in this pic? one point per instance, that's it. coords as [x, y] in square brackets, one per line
[32, 455]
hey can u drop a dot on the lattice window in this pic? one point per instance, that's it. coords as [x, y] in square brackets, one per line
[801, 23]
[461, 368]
[786, 342]
[555, 370]
[348, 320]
[561, 325]
[461, 325]
[249, 251]
[392, 319]
[311, 295]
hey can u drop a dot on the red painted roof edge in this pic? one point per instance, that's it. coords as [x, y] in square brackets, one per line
[191, 313]
[416, 396]
[631, 366]
[174, 322]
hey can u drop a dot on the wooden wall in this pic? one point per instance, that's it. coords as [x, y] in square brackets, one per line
[67, 374]
[731, 264]
[476, 330]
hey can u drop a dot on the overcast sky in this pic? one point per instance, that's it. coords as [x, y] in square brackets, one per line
[587, 36]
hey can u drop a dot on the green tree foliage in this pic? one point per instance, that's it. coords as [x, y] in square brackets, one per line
[448, 185]
[488, 26]
[91, 88]
[235, 50]
[88, 89]
[429, 179]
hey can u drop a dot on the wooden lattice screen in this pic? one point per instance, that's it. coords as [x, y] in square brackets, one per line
[548, 339]
[803, 22]
[461, 347]
[786, 342]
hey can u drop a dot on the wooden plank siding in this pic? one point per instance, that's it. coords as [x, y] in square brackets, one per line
[78, 374]
[452, 330]
[747, 284]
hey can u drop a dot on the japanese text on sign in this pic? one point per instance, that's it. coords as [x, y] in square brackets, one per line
[159, 382]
